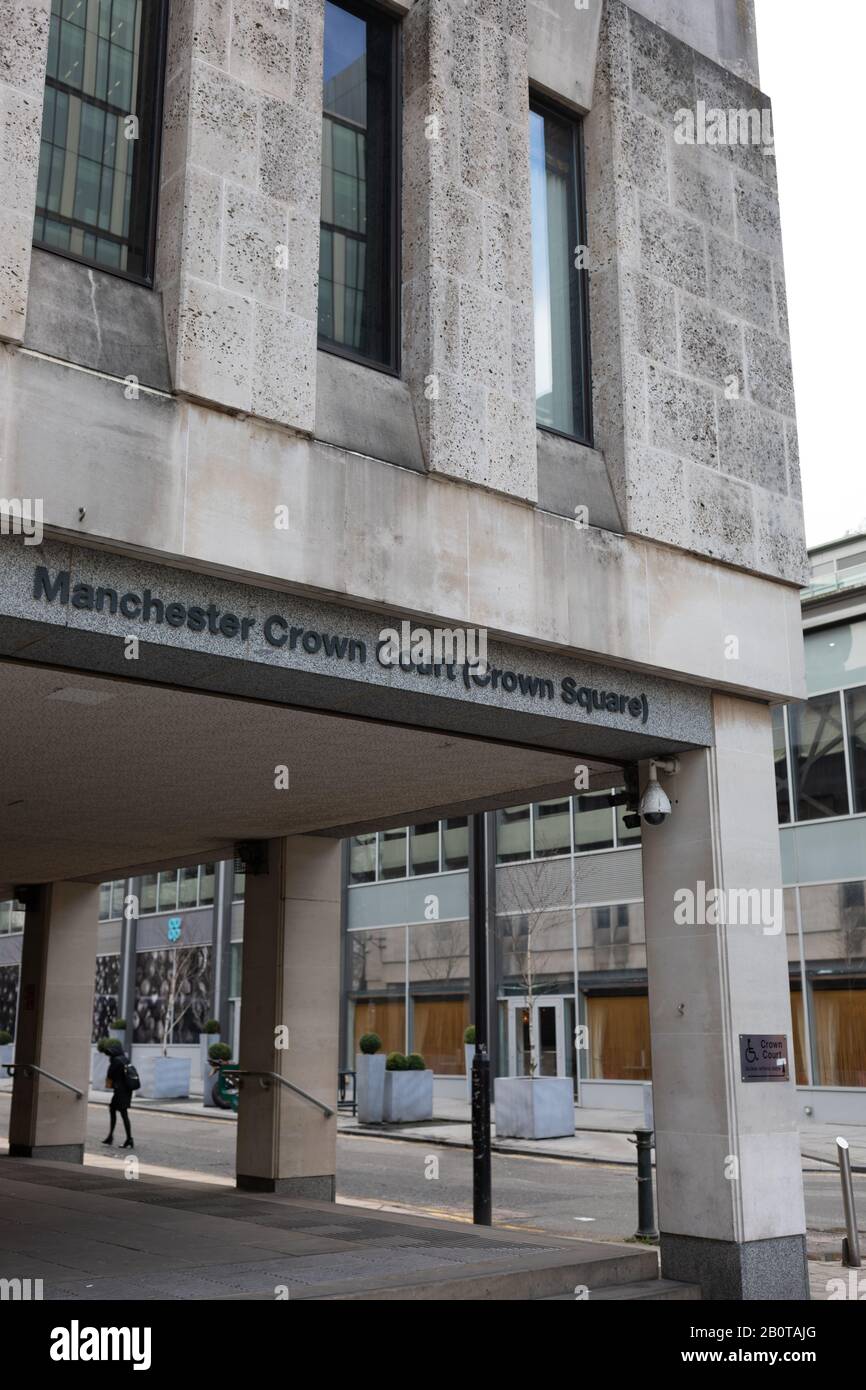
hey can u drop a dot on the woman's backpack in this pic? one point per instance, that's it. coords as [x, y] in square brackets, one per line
[133, 1080]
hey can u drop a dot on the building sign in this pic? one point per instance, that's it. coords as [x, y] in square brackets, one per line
[115, 615]
[763, 1057]
[280, 633]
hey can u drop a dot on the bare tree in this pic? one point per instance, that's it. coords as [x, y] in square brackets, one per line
[182, 969]
[537, 895]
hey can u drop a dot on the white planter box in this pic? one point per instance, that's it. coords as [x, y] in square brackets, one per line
[98, 1070]
[205, 1041]
[5, 1056]
[163, 1078]
[534, 1107]
[408, 1096]
[370, 1087]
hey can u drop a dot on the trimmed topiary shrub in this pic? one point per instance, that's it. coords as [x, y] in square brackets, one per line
[369, 1043]
[119, 1023]
[397, 1062]
[415, 1062]
[212, 1026]
[4, 1037]
[103, 1044]
[219, 1052]
[469, 1035]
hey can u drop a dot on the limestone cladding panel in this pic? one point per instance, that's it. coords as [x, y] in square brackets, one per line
[467, 258]
[238, 245]
[23, 55]
[692, 385]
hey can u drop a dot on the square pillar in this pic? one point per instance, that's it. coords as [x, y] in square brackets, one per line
[240, 187]
[730, 1188]
[291, 980]
[55, 1021]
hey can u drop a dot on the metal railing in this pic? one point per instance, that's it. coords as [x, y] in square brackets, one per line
[28, 1068]
[265, 1077]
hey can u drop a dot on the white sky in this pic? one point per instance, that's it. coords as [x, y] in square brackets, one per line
[811, 60]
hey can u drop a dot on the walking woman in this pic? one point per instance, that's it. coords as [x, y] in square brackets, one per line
[121, 1092]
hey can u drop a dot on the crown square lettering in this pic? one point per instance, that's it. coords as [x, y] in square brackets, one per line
[279, 633]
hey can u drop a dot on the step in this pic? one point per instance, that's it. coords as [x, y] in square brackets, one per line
[654, 1290]
[550, 1274]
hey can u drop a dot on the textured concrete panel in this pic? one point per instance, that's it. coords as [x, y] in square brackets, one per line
[23, 54]
[239, 233]
[96, 320]
[467, 269]
[692, 387]
[563, 44]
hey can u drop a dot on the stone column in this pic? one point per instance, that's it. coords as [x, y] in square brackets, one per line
[23, 56]
[126, 993]
[467, 261]
[238, 246]
[291, 980]
[55, 1020]
[222, 943]
[730, 1189]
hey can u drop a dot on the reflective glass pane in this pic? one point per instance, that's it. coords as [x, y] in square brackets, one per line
[362, 858]
[593, 822]
[455, 843]
[188, 887]
[206, 884]
[512, 834]
[355, 268]
[560, 334]
[148, 893]
[783, 799]
[552, 827]
[99, 128]
[856, 710]
[818, 757]
[424, 848]
[392, 853]
[168, 891]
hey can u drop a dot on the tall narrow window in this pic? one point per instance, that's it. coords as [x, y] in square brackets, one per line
[559, 275]
[357, 267]
[96, 195]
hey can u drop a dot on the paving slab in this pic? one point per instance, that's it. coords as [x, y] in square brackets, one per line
[153, 1240]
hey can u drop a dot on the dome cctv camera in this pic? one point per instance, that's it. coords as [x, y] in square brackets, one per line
[655, 806]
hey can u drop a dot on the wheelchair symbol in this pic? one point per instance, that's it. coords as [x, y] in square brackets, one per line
[751, 1054]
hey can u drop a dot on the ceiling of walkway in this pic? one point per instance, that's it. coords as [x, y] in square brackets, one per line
[102, 776]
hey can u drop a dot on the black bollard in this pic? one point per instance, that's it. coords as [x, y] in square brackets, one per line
[646, 1221]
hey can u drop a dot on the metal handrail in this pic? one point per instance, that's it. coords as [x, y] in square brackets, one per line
[290, 1085]
[29, 1068]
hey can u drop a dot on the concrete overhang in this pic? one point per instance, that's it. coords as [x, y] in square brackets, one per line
[139, 739]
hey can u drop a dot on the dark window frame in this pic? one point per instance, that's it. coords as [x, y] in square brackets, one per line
[147, 169]
[365, 9]
[543, 106]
